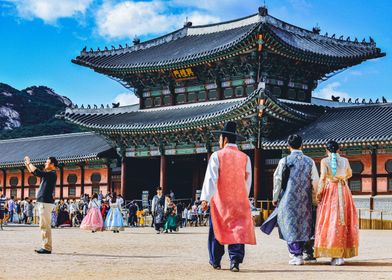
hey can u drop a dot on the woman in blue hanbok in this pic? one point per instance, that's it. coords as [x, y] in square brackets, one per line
[114, 219]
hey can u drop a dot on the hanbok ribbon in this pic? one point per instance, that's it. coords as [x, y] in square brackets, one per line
[341, 201]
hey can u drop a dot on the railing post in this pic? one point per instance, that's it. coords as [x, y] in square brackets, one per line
[360, 220]
[382, 222]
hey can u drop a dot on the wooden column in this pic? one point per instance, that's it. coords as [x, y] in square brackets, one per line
[22, 172]
[163, 175]
[109, 175]
[374, 174]
[82, 165]
[4, 181]
[123, 176]
[61, 167]
[256, 174]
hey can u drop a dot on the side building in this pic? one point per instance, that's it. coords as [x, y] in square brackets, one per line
[86, 164]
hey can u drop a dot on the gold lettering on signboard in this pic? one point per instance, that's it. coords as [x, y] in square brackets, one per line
[183, 73]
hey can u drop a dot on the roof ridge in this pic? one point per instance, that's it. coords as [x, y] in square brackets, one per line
[361, 106]
[42, 137]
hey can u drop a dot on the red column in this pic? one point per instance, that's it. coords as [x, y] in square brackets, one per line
[82, 164]
[22, 172]
[256, 174]
[4, 181]
[109, 175]
[61, 167]
[163, 175]
[123, 176]
[374, 175]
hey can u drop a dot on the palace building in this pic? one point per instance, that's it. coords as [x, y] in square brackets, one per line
[258, 71]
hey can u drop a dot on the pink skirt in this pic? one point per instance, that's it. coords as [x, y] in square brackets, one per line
[93, 220]
[337, 231]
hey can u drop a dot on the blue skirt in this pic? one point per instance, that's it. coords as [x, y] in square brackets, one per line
[114, 220]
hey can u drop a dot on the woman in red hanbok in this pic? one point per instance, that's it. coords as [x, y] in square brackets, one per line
[337, 220]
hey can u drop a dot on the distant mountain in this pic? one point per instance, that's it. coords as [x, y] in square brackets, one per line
[31, 112]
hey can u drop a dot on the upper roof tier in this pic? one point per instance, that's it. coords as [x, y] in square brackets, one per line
[193, 45]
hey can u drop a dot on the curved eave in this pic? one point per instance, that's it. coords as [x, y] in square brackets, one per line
[344, 142]
[64, 160]
[275, 44]
[244, 109]
[241, 45]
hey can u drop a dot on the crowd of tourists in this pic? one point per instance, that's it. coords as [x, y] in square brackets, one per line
[16, 211]
[315, 215]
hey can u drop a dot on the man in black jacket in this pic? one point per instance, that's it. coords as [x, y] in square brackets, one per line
[45, 201]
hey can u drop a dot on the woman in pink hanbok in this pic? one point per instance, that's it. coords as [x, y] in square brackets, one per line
[93, 220]
[337, 219]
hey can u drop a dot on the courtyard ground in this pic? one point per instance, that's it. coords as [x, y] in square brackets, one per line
[142, 254]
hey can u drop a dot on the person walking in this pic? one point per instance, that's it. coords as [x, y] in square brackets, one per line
[337, 227]
[45, 201]
[93, 220]
[226, 188]
[158, 210]
[295, 206]
[171, 215]
[114, 220]
[11, 209]
[3, 201]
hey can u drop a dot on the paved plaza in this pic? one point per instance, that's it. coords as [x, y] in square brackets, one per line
[142, 254]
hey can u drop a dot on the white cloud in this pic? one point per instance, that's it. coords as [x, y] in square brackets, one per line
[126, 99]
[50, 10]
[331, 89]
[128, 19]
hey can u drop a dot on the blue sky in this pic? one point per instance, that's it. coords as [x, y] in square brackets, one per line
[40, 37]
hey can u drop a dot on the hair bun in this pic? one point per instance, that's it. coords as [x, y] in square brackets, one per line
[332, 146]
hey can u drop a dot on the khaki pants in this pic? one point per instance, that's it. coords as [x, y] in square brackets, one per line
[45, 213]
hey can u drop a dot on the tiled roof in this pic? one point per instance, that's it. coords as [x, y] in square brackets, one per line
[65, 147]
[195, 44]
[183, 117]
[359, 125]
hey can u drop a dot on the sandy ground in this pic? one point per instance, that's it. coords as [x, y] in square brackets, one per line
[142, 254]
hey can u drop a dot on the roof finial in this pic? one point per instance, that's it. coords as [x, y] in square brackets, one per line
[316, 29]
[263, 11]
[187, 23]
[136, 40]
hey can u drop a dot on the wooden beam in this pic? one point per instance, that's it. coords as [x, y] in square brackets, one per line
[163, 174]
[123, 176]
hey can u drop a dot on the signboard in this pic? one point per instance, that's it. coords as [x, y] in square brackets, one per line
[145, 203]
[181, 74]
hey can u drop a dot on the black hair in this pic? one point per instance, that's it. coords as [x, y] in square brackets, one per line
[231, 138]
[95, 196]
[159, 188]
[332, 146]
[295, 141]
[114, 198]
[54, 161]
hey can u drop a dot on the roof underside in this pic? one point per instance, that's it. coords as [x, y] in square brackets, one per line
[65, 147]
[195, 45]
